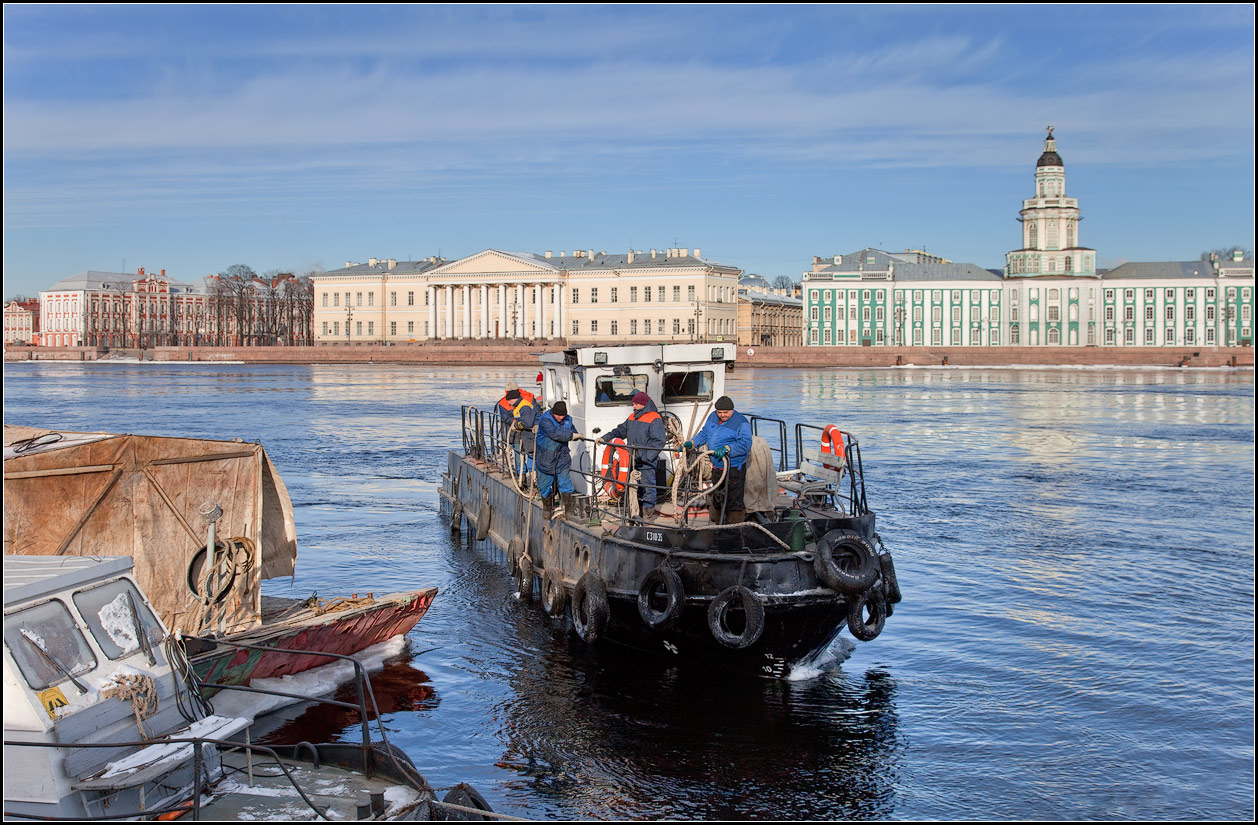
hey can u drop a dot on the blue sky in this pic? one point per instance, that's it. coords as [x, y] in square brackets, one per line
[190, 138]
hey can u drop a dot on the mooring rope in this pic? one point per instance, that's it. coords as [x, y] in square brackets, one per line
[140, 690]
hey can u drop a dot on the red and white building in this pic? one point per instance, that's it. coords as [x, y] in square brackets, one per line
[111, 309]
[21, 322]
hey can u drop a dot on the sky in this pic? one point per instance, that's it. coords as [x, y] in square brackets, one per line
[295, 138]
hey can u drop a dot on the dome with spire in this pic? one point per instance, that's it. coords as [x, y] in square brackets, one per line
[1050, 156]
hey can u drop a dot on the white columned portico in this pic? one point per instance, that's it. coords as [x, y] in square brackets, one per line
[449, 290]
[539, 312]
[502, 311]
[430, 294]
[467, 310]
[517, 314]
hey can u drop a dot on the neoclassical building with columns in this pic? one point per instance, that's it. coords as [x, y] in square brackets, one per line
[582, 297]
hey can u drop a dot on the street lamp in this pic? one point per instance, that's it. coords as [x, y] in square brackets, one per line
[349, 316]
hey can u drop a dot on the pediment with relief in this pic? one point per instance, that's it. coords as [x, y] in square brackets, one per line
[492, 261]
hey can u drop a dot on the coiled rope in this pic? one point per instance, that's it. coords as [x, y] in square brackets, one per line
[142, 693]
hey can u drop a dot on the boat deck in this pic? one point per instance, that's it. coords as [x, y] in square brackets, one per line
[268, 794]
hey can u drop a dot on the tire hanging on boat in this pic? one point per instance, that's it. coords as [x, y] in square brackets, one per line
[846, 562]
[524, 578]
[456, 516]
[753, 617]
[484, 516]
[590, 610]
[872, 600]
[465, 796]
[553, 595]
[890, 584]
[515, 549]
[667, 579]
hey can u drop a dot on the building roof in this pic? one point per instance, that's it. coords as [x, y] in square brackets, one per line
[758, 297]
[375, 265]
[903, 267]
[944, 272]
[95, 279]
[1139, 270]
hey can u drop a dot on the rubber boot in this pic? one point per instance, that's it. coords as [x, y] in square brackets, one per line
[566, 504]
[736, 516]
[548, 507]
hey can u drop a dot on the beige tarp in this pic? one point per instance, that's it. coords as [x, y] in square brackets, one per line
[98, 494]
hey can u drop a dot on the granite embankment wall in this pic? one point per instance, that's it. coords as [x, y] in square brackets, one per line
[496, 354]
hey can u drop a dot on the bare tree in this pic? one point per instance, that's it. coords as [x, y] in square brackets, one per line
[1226, 254]
[783, 282]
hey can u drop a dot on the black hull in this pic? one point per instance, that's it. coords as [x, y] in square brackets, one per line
[801, 614]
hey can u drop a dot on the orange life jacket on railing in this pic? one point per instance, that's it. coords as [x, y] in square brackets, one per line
[614, 466]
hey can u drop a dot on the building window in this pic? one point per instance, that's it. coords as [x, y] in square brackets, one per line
[956, 315]
[1054, 313]
[812, 336]
[633, 327]
[371, 327]
[917, 315]
[676, 326]
[1148, 294]
[1148, 336]
[676, 294]
[633, 294]
[826, 313]
[1170, 313]
[646, 294]
[827, 337]
[1054, 337]
[1210, 294]
[615, 326]
[936, 315]
[576, 299]
[936, 337]
[646, 326]
[392, 328]
[358, 299]
[614, 300]
[1148, 313]
[660, 295]
[1129, 313]
[690, 295]
[576, 327]
[371, 299]
[813, 313]
[1209, 336]
[410, 328]
[917, 337]
[325, 299]
[1170, 295]
[410, 299]
[956, 338]
[336, 299]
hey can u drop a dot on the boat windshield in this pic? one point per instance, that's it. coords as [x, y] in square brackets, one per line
[107, 611]
[45, 644]
[617, 390]
[688, 386]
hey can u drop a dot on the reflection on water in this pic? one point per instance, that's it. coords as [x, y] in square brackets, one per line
[1075, 549]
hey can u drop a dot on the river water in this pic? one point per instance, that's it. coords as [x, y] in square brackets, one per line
[1075, 548]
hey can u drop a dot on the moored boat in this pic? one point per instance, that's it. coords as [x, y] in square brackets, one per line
[759, 593]
[171, 503]
[104, 720]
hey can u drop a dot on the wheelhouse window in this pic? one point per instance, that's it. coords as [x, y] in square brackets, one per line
[107, 611]
[46, 645]
[617, 390]
[688, 386]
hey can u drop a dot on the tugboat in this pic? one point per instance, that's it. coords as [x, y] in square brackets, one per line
[761, 595]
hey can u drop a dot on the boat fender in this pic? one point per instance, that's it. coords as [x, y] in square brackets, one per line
[753, 617]
[515, 549]
[552, 593]
[590, 610]
[482, 522]
[846, 562]
[456, 516]
[465, 796]
[667, 579]
[867, 628]
[196, 574]
[614, 467]
[890, 584]
[524, 578]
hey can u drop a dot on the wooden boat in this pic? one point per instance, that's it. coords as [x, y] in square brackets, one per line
[101, 720]
[171, 503]
[761, 595]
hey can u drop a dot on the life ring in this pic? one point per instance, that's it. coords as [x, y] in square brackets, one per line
[552, 593]
[873, 602]
[832, 443]
[846, 562]
[729, 633]
[524, 578]
[614, 466]
[589, 607]
[664, 578]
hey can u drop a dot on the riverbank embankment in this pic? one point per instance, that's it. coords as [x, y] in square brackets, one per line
[511, 354]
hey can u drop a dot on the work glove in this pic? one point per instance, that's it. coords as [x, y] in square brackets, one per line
[689, 445]
[721, 453]
[575, 436]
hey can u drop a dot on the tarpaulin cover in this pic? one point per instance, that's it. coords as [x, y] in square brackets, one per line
[100, 494]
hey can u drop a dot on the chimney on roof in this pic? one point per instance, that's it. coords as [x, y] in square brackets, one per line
[697, 255]
[372, 261]
[589, 253]
[548, 253]
[683, 253]
[630, 256]
[652, 253]
[164, 273]
[392, 263]
[563, 253]
[348, 264]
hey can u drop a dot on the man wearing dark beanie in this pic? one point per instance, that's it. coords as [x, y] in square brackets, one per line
[728, 434]
[644, 431]
[554, 462]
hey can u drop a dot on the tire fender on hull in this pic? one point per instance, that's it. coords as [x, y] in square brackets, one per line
[524, 578]
[667, 579]
[846, 562]
[590, 610]
[719, 617]
[553, 596]
[871, 602]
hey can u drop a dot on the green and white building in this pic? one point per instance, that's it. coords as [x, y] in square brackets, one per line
[1049, 293]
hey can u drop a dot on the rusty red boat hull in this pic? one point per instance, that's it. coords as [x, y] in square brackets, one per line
[345, 632]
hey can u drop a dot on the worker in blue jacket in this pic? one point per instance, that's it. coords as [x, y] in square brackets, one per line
[728, 435]
[554, 462]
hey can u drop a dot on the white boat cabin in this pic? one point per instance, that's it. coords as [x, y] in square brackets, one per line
[598, 384]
